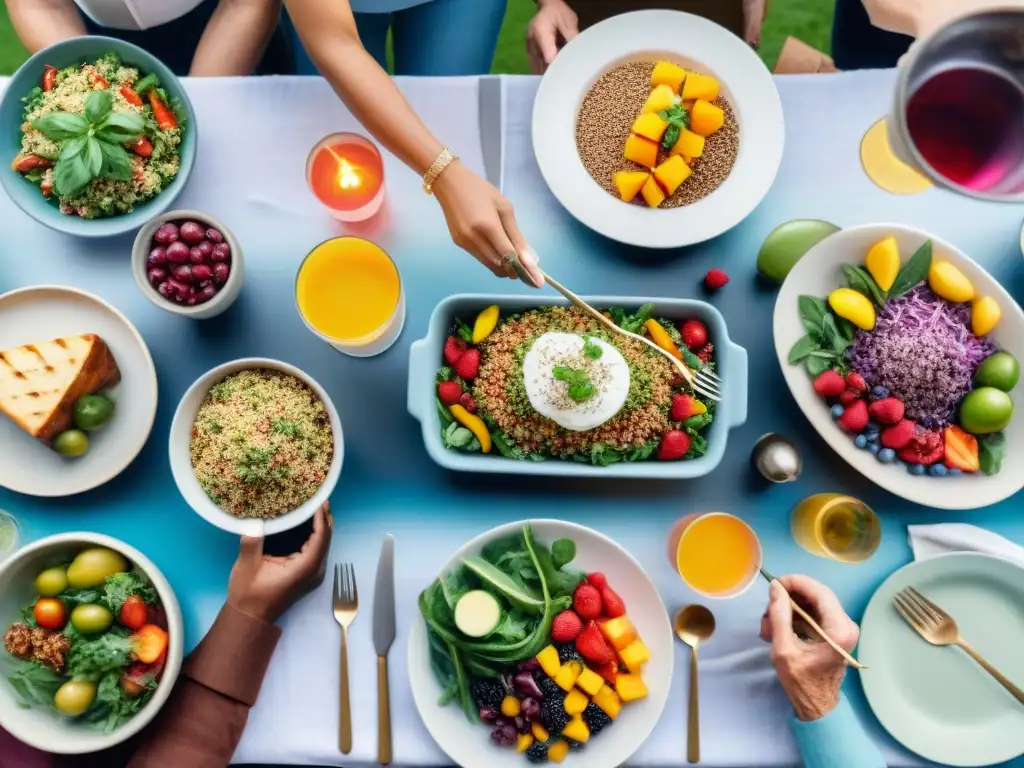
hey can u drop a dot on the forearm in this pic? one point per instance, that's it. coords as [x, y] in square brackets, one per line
[235, 38]
[837, 740]
[40, 23]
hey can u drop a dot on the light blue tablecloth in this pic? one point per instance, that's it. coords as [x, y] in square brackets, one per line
[254, 136]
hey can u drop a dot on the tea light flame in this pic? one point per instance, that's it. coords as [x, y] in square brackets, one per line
[347, 176]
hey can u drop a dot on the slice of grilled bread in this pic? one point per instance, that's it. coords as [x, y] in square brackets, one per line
[39, 383]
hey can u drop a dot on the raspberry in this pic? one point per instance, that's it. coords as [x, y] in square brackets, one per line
[705, 352]
[715, 279]
[466, 401]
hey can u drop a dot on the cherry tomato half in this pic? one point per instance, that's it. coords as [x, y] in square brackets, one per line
[50, 613]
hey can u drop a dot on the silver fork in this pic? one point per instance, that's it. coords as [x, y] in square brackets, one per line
[938, 628]
[346, 606]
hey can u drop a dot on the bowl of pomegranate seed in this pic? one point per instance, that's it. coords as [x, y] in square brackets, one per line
[188, 263]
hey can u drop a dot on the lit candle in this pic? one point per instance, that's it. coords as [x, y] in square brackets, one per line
[346, 173]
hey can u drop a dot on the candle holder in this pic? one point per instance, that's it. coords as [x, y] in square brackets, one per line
[345, 171]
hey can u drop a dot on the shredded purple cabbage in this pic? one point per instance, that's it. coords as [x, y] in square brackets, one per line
[923, 350]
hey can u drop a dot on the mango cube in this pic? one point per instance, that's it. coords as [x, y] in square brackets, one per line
[706, 118]
[608, 701]
[635, 655]
[566, 677]
[689, 144]
[539, 732]
[558, 751]
[576, 730]
[660, 98]
[575, 702]
[549, 661]
[524, 742]
[700, 87]
[672, 173]
[619, 632]
[652, 193]
[630, 687]
[641, 151]
[589, 681]
[650, 126]
[629, 183]
[667, 73]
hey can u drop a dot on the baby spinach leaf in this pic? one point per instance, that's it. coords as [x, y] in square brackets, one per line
[35, 684]
[913, 272]
[442, 412]
[803, 347]
[990, 452]
[817, 365]
[812, 313]
[562, 552]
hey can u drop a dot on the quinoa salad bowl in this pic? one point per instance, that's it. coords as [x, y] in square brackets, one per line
[513, 384]
[98, 137]
[658, 129]
[256, 446]
[903, 353]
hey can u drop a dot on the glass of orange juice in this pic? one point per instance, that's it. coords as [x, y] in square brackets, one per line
[349, 293]
[716, 554]
[836, 526]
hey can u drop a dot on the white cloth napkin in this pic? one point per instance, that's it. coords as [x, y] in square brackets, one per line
[930, 540]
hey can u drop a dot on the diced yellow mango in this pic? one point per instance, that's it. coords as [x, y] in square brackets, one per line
[576, 730]
[985, 315]
[524, 742]
[883, 262]
[706, 118]
[689, 145]
[635, 655]
[700, 87]
[619, 632]
[576, 701]
[667, 73]
[672, 173]
[558, 751]
[566, 677]
[641, 151]
[650, 126]
[661, 98]
[590, 681]
[608, 701]
[549, 661]
[540, 733]
[652, 193]
[630, 687]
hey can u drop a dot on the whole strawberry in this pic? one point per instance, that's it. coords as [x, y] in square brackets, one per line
[829, 384]
[856, 382]
[854, 418]
[592, 645]
[449, 392]
[674, 445]
[898, 435]
[848, 397]
[468, 365]
[586, 601]
[715, 279]
[888, 410]
[613, 605]
[566, 627]
[453, 349]
[596, 579]
[683, 407]
[695, 334]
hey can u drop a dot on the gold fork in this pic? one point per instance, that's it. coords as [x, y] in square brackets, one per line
[346, 606]
[938, 628]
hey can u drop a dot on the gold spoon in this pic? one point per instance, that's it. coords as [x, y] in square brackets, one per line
[694, 625]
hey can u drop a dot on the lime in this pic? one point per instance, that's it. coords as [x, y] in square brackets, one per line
[92, 412]
[74, 442]
[787, 243]
[985, 410]
[1000, 370]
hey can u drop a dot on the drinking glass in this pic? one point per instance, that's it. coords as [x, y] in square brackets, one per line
[836, 526]
[716, 554]
[10, 534]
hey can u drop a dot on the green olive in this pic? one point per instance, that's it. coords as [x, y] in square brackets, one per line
[74, 697]
[89, 618]
[74, 442]
[92, 566]
[52, 581]
[92, 412]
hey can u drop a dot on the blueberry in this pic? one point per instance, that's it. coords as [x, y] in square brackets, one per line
[837, 411]
[915, 469]
[878, 392]
[954, 472]
[872, 437]
[937, 470]
[860, 441]
[872, 427]
[873, 449]
[887, 455]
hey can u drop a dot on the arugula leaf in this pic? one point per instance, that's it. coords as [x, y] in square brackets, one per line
[698, 447]
[563, 551]
[990, 452]
[98, 105]
[633, 323]
[97, 657]
[28, 615]
[592, 349]
[913, 272]
[71, 176]
[812, 313]
[803, 347]
[61, 126]
[581, 388]
[35, 684]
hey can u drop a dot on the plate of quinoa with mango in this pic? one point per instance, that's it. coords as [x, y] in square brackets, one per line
[904, 354]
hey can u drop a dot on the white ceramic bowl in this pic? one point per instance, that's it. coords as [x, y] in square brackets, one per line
[45, 729]
[225, 296]
[817, 274]
[181, 462]
[690, 41]
[469, 745]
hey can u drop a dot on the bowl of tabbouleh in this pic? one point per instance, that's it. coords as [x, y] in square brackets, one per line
[97, 136]
[256, 446]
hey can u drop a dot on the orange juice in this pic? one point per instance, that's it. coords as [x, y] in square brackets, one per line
[716, 554]
[348, 290]
[836, 526]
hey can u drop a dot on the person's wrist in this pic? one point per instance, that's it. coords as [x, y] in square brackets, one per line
[814, 707]
[254, 608]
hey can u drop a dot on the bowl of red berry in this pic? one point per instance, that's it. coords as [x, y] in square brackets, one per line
[188, 263]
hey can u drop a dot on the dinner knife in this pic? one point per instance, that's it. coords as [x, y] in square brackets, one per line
[383, 637]
[491, 124]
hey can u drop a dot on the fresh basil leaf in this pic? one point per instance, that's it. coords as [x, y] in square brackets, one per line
[860, 280]
[847, 329]
[120, 127]
[98, 105]
[562, 552]
[71, 176]
[817, 365]
[913, 272]
[833, 337]
[670, 137]
[93, 156]
[116, 163]
[812, 313]
[61, 126]
[73, 147]
[803, 347]
[824, 354]
[990, 452]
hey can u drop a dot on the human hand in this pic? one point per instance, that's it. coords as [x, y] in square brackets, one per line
[554, 25]
[482, 222]
[265, 587]
[810, 671]
[754, 12]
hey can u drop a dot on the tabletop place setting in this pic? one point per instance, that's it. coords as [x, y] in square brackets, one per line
[517, 637]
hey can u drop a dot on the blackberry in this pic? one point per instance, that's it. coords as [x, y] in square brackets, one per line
[567, 653]
[538, 752]
[553, 716]
[549, 687]
[488, 693]
[575, 746]
[596, 718]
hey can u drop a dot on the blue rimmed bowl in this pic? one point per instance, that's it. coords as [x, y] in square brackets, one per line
[26, 195]
[426, 356]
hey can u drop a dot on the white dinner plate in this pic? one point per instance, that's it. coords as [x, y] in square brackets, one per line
[817, 274]
[469, 745]
[937, 701]
[690, 41]
[47, 312]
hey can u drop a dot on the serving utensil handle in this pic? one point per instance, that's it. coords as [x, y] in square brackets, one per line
[345, 706]
[693, 717]
[824, 635]
[1016, 692]
[383, 713]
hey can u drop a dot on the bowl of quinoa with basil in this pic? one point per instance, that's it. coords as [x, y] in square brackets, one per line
[256, 442]
[99, 136]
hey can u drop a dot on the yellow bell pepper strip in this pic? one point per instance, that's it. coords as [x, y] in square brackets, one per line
[474, 424]
[660, 337]
[485, 323]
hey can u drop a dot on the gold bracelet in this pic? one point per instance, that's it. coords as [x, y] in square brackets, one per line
[446, 158]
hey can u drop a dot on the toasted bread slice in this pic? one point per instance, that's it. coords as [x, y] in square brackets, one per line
[39, 383]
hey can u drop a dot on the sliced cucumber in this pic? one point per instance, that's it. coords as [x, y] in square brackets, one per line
[477, 613]
[502, 582]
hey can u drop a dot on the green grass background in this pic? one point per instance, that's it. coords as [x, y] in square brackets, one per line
[809, 20]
